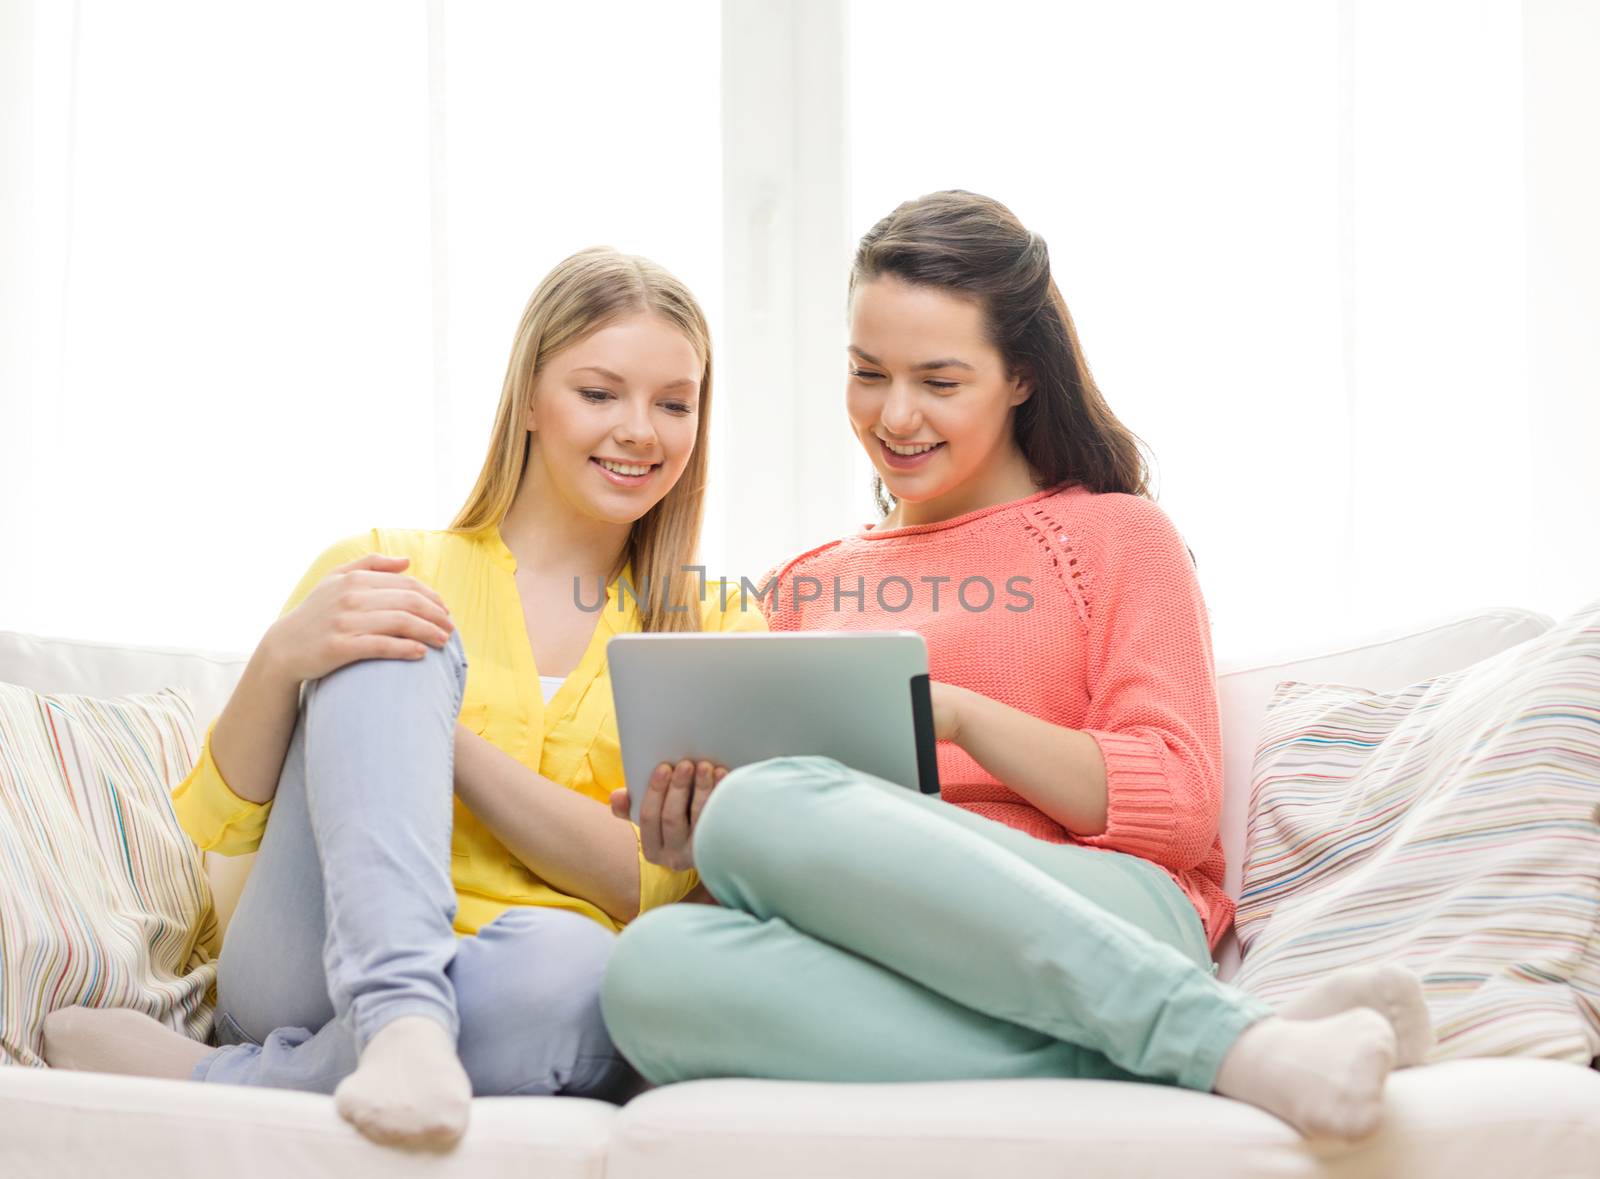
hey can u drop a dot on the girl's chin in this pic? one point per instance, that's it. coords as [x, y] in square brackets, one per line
[617, 509]
[921, 491]
[913, 487]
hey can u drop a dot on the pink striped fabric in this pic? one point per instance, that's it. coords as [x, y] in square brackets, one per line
[103, 898]
[1453, 827]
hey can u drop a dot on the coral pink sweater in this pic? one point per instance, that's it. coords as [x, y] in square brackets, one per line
[1116, 642]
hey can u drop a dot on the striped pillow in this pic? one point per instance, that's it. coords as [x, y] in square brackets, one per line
[1452, 827]
[103, 898]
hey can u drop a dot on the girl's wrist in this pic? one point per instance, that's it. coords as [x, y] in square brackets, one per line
[961, 701]
[271, 666]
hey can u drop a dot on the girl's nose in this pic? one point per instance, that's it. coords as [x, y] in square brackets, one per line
[635, 428]
[900, 414]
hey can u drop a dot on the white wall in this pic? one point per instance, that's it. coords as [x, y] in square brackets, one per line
[786, 472]
[277, 254]
[16, 304]
[1335, 261]
[1561, 45]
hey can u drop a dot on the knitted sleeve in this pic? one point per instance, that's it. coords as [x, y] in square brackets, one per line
[1152, 691]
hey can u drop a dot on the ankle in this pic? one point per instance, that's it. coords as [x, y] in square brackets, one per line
[414, 1027]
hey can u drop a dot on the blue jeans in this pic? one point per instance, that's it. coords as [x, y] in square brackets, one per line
[875, 934]
[345, 920]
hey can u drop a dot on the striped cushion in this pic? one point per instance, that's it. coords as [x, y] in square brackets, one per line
[1453, 827]
[103, 899]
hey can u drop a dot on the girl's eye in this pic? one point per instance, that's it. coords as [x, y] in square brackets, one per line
[864, 375]
[942, 384]
[599, 395]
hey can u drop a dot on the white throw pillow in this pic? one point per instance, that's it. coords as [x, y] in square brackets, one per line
[1452, 827]
[103, 898]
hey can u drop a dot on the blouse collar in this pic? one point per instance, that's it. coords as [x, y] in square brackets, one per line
[502, 556]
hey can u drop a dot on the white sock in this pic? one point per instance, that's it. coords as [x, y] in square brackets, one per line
[118, 1040]
[1323, 1076]
[1392, 991]
[409, 1088]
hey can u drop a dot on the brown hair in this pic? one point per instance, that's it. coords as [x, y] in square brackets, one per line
[582, 294]
[972, 245]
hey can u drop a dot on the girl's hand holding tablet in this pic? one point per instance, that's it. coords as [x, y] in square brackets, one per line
[672, 803]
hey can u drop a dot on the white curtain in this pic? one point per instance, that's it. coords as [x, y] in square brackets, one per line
[1335, 261]
[1322, 257]
[267, 263]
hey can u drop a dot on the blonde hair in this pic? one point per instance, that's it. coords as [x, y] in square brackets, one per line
[581, 295]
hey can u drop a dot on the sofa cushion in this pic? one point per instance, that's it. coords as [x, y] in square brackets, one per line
[1460, 1120]
[1452, 826]
[105, 901]
[117, 669]
[1381, 661]
[114, 669]
[67, 1124]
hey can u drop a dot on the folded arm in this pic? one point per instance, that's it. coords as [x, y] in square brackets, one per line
[1142, 773]
[569, 841]
[1059, 770]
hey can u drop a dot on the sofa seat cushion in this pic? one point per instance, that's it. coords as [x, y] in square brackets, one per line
[1534, 1119]
[56, 1123]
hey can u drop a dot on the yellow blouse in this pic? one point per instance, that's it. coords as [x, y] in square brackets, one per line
[572, 740]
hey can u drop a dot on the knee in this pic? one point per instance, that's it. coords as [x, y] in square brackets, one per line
[758, 812]
[660, 962]
[441, 673]
[635, 976]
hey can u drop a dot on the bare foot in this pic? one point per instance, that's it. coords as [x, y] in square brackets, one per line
[409, 1088]
[118, 1040]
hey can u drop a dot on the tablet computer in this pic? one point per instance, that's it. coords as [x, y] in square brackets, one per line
[861, 698]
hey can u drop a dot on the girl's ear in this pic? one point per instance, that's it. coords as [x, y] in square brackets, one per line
[1021, 387]
[528, 421]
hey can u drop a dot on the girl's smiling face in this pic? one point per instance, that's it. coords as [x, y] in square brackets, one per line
[613, 417]
[931, 400]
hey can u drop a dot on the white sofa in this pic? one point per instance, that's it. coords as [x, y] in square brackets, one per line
[1523, 1118]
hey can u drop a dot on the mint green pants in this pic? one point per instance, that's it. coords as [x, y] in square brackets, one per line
[869, 933]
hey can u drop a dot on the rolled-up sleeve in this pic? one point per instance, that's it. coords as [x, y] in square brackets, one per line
[1153, 700]
[661, 886]
[216, 818]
